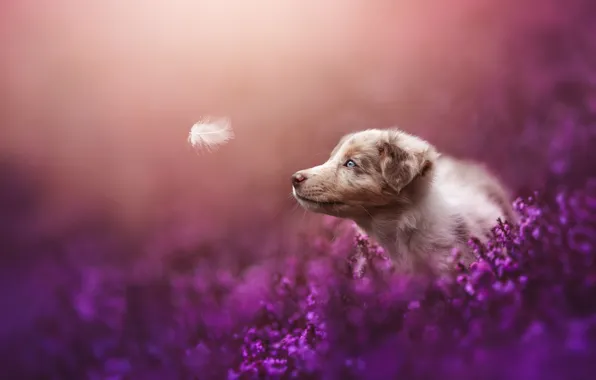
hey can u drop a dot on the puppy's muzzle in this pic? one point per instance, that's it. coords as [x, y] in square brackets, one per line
[297, 179]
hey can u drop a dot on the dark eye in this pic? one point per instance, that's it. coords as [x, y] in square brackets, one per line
[350, 164]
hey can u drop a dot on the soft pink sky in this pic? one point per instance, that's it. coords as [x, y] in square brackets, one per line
[98, 97]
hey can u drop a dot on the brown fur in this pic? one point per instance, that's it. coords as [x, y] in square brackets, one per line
[417, 205]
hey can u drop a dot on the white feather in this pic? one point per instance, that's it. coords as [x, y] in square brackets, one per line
[210, 133]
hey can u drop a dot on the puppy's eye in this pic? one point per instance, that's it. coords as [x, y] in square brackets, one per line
[350, 164]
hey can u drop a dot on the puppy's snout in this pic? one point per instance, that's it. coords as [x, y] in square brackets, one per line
[298, 178]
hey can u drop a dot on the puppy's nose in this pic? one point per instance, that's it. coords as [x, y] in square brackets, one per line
[298, 178]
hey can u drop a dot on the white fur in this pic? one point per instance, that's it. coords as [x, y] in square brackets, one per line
[415, 235]
[439, 204]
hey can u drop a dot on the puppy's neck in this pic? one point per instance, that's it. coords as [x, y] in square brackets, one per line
[394, 224]
[387, 224]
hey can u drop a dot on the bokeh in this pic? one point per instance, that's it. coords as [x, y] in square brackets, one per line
[109, 217]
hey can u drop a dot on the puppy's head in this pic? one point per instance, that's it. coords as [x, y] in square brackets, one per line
[366, 170]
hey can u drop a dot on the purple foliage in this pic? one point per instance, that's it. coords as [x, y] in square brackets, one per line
[525, 309]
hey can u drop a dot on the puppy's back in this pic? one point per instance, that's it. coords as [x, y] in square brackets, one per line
[472, 189]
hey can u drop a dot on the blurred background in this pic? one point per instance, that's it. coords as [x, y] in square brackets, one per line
[97, 99]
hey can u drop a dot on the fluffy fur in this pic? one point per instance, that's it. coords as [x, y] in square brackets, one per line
[417, 204]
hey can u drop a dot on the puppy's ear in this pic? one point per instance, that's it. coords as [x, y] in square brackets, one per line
[403, 158]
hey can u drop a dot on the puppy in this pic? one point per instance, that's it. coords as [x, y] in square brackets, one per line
[417, 204]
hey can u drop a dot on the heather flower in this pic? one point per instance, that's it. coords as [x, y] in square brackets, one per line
[306, 315]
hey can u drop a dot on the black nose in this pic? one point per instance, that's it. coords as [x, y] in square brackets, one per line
[298, 178]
